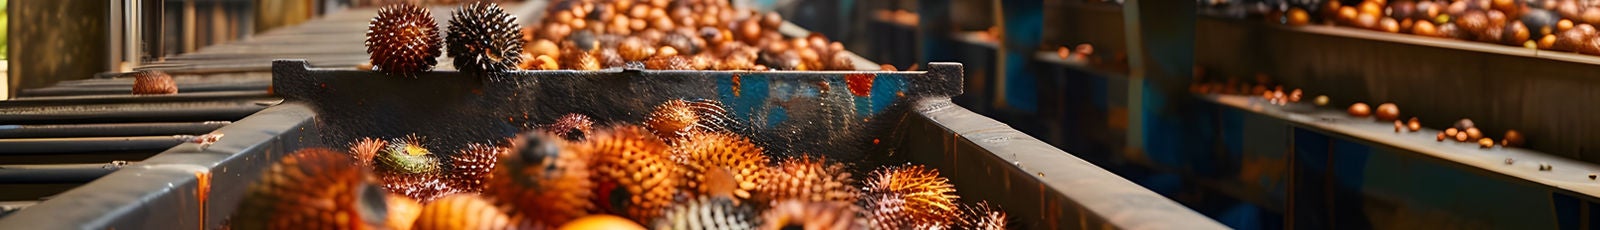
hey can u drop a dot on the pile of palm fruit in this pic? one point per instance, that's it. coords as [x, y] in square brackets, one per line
[1560, 25]
[685, 166]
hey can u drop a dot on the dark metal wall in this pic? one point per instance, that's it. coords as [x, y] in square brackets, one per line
[51, 41]
[1548, 96]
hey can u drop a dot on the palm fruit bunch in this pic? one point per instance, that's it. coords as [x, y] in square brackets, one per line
[708, 213]
[470, 167]
[317, 188]
[403, 39]
[572, 127]
[544, 181]
[675, 35]
[483, 38]
[462, 211]
[676, 118]
[809, 178]
[408, 168]
[797, 214]
[720, 164]
[634, 173]
[151, 82]
[909, 195]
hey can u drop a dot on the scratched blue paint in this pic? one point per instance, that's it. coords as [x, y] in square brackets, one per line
[753, 93]
[884, 91]
[777, 115]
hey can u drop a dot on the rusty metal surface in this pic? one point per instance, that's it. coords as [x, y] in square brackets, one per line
[1041, 186]
[185, 187]
[1347, 172]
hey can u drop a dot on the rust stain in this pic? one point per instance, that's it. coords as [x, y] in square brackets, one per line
[202, 189]
[736, 85]
[477, 91]
[823, 85]
[860, 84]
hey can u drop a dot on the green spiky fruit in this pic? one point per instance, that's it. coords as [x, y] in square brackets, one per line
[406, 167]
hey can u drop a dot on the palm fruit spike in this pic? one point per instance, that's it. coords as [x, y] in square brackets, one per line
[634, 174]
[981, 216]
[720, 164]
[796, 214]
[366, 149]
[544, 179]
[403, 39]
[572, 127]
[313, 188]
[470, 167]
[150, 82]
[708, 213]
[462, 211]
[927, 197]
[483, 38]
[674, 119]
[809, 179]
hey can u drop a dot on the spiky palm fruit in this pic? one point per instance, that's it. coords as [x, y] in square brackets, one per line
[406, 167]
[981, 216]
[674, 119]
[403, 211]
[424, 187]
[720, 164]
[403, 39]
[886, 211]
[809, 179]
[462, 211]
[470, 168]
[708, 213]
[812, 215]
[408, 156]
[312, 188]
[150, 82]
[572, 127]
[543, 180]
[366, 149]
[483, 38]
[925, 196]
[634, 173]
